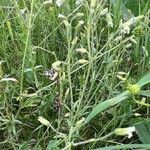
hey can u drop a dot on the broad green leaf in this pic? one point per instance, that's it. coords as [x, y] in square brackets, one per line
[113, 101]
[125, 146]
[143, 131]
[108, 103]
[145, 93]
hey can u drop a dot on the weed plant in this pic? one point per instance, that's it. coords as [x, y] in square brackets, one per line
[72, 74]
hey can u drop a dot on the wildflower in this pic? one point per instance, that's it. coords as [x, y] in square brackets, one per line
[59, 3]
[81, 50]
[125, 131]
[44, 121]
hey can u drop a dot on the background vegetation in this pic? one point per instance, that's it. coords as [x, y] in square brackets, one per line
[59, 60]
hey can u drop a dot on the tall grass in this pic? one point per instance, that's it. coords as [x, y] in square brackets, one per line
[60, 62]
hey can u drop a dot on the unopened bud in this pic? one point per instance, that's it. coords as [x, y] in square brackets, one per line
[81, 50]
[125, 131]
[44, 121]
[82, 61]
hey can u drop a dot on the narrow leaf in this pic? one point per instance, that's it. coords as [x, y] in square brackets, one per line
[145, 93]
[144, 80]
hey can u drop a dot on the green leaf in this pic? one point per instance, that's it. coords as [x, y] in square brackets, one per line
[30, 102]
[143, 131]
[108, 103]
[113, 101]
[144, 80]
[53, 145]
[24, 146]
[119, 147]
[145, 93]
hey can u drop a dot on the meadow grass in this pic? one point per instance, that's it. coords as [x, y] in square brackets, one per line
[72, 74]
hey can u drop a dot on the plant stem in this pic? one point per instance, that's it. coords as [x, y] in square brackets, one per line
[93, 140]
[26, 46]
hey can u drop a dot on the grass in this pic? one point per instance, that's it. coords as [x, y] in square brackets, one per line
[63, 69]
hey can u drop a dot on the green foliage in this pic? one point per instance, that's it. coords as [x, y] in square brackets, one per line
[100, 45]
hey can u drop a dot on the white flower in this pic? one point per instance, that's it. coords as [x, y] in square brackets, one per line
[125, 131]
[59, 3]
[44, 121]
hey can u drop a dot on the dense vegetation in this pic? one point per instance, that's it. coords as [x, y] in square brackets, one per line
[74, 74]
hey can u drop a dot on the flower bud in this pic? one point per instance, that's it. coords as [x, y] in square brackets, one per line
[81, 50]
[80, 122]
[134, 88]
[121, 78]
[44, 121]
[56, 64]
[82, 61]
[48, 2]
[125, 131]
